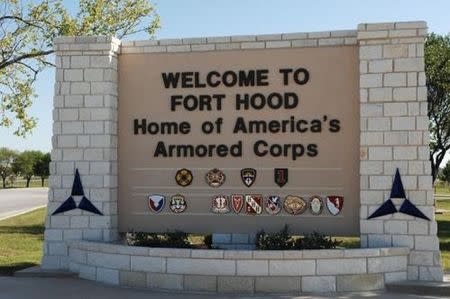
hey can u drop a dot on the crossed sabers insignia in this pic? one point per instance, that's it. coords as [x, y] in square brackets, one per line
[69, 203]
[407, 206]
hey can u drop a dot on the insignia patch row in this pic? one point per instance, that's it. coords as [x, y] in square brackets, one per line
[215, 177]
[253, 204]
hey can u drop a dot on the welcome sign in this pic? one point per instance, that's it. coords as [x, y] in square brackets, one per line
[238, 141]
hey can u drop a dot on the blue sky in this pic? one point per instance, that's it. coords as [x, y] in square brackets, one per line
[191, 18]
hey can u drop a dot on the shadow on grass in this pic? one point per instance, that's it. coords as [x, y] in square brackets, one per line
[443, 228]
[25, 229]
[9, 270]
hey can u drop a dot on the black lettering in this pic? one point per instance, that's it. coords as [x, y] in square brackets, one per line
[316, 126]
[297, 151]
[285, 73]
[247, 79]
[301, 76]
[242, 100]
[160, 150]
[209, 79]
[236, 149]
[170, 79]
[186, 80]
[256, 149]
[262, 77]
[198, 84]
[229, 78]
[174, 101]
[335, 125]
[312, 150]
[239, 125]
[140, 126]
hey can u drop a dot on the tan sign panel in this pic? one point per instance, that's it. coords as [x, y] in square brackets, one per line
[259, 132]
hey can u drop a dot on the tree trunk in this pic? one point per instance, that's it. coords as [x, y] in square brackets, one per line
[42, 181]
[4, 183]
[28, 182]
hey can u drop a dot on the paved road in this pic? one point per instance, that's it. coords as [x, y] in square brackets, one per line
[14, 201]
[72, 288]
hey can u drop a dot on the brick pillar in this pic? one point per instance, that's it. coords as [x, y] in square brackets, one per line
[394, 133]
[84, 138]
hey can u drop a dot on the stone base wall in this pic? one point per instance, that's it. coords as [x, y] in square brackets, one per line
[239, 271]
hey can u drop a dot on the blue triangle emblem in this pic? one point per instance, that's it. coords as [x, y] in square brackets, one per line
[386, 208]
[397, 190]
[409, 208]
[67, 205]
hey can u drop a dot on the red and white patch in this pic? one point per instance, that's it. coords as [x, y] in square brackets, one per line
[253, 204]
[237, 202]
[335, 204]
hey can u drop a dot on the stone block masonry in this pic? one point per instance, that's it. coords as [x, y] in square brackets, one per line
[394, 134]
[234, 271]
[84, 137]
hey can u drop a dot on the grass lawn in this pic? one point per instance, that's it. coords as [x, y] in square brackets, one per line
[22, 184]
[21, 240]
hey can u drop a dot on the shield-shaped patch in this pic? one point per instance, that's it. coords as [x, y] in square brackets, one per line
[248, 176]
[273, 204]
[280, 176]
[237, 202]
[335, 204]
[156, 202]
[253, 204]
[219, 204]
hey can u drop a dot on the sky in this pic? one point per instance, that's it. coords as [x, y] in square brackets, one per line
[195, 18]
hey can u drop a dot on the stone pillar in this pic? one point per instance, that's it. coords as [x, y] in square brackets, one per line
[394, 133]
[84, 138]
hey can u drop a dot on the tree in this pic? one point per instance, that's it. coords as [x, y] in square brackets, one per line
[444, 174]
[7, 157]
[27, 29]
[437, 69]
[41, 167]
[24, 163]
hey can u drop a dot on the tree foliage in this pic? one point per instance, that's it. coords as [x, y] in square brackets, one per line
[7, 157]
[27, 29]
[24, 164]
[41, 167]
[437, 68]
[444, 174]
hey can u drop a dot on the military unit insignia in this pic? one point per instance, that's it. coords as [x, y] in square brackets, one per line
[253, 204]
[156, 202]
[273, 204]
[177, 203]
[248, 176]
[237, 202]
[280, 176]
[219, 204]
[294, 205]
[335, 204]
[215, 177]
[316, 205]
[183, 177]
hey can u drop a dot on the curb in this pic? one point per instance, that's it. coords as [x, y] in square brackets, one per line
[23, 212]
[420, 287]
[37, 271]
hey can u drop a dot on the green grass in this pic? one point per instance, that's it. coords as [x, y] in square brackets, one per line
[21, 240]
[22, 184]
[442, 189]
[443, 221]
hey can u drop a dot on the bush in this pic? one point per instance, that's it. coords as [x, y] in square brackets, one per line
[285, 241]
[173, 240]
[207, 240]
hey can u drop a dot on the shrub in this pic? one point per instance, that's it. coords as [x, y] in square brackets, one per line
[207, 240]
[176, 239]
[283, 240]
